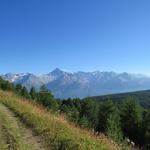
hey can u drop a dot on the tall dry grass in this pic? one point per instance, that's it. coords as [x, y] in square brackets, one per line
[56, 132]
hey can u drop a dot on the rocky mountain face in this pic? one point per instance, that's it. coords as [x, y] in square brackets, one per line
[82, 84]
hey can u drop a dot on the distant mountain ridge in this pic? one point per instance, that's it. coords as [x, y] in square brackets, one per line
[82, 84]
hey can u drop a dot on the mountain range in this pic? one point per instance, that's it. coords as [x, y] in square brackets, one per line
[82, 84]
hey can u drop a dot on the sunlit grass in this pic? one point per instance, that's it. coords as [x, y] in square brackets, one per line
[10, 133]
[56, 132]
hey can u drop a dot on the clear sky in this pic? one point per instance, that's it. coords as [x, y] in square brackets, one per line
[39, 35]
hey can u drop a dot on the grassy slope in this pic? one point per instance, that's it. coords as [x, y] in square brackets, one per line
[14, 134]
[10, 133]
[55, 131]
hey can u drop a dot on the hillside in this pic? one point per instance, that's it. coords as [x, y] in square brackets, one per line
[143, 97]
[82, 84]
[26, 125]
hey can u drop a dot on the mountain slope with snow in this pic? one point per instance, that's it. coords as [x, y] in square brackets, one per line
[82, 84]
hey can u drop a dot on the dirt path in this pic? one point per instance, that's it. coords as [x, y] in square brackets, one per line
[2, 142]
[14, 135]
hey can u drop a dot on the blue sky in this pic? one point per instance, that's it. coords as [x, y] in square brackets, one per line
[39, 35]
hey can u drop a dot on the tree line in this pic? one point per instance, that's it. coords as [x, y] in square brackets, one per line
[43, 96]
[120, 121]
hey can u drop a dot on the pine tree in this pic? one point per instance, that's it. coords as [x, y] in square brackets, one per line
[43, 88]
[83, 122]
[105, 109]
[146, 126]
[18, 89]
[131, 119]
[114, 126]
[46, 98]
[90, 109]
[25, 93]
[33, 93]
